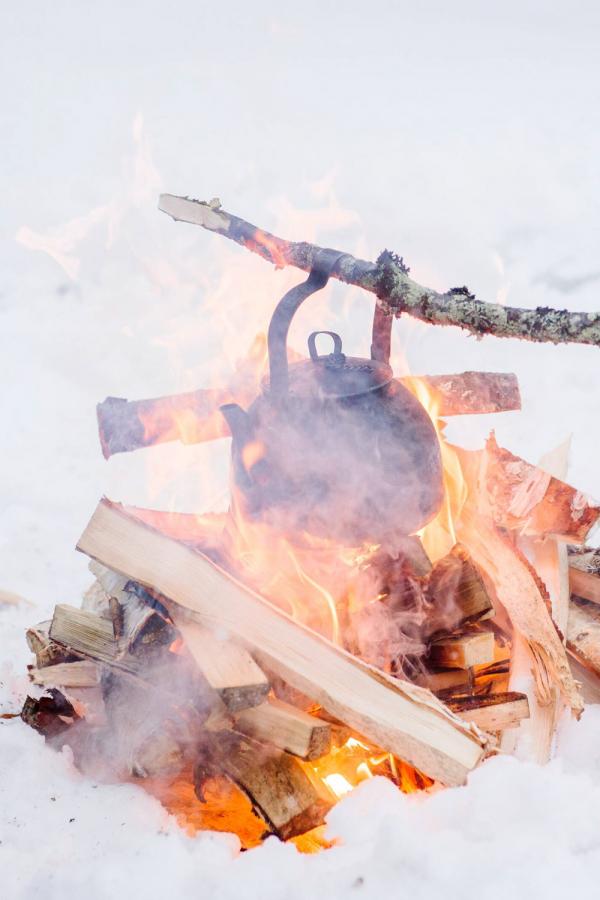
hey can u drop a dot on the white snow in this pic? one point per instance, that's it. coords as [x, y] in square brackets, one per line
[465, 137]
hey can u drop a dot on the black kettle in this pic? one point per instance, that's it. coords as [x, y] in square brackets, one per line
[334, 445]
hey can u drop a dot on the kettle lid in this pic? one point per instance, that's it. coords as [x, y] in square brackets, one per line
[334, 375]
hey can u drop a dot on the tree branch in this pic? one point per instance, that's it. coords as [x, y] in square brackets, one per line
[388, 279]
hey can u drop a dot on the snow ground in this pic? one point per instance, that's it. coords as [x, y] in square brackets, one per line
[463, 136]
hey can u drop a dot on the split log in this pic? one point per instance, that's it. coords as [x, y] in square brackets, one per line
[287, 728]
[82, 674]
[393, 714]
[549, 557]
[517, 587]
[463, 651]
[583, 633]
[457, 593]
[494, 712]
[47, 652]
[228, 668]
[280, 789]
[194, 417]
[527, 499]
[584, 574]
[84, 632]
[389, 280]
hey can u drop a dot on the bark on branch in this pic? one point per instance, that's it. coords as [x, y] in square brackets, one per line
[389, 280]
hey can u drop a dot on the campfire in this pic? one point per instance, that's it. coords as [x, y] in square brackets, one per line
[375, 602]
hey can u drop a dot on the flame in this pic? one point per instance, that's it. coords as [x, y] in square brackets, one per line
[439, 535]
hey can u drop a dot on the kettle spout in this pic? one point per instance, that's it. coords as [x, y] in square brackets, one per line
[238, 421]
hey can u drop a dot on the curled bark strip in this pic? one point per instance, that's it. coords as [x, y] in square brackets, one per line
[389, 280]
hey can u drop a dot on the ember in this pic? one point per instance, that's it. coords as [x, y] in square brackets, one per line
[354, 613]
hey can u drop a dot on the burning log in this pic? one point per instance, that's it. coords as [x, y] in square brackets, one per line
[287, 728]
[457, 593]
[524, 498]
[463, 651]
[278, 786]
[228, 668]
[195, 417]
[584, 574]
[470, 393]
[82, 674]
[389, 280]
[494, 712]
[191, 418]
[395, 715]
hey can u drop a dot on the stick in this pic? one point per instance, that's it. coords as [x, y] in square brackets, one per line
[395, 715]
[388, 280]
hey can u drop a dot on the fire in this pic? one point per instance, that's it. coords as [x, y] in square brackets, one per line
[439, 535]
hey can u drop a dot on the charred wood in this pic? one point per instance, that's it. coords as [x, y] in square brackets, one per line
[494, 712]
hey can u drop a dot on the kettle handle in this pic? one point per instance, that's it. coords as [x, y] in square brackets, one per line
[324, 264]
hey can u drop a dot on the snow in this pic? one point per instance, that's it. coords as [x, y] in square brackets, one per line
[463, 136]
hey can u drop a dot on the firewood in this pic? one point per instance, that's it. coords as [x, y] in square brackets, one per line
[113, 584]
[457, 593]
[228, 668]
[588, 680]
[393, 714]
[463, 651]
[583, 633]
[142, 628]
[469, 393]
[278, 786]
[525, 498]
[515, 584]
[389, 280]
[494, 712]
[194, 417]
[84, 633]
[51, 714]
[47, 652]
[190, 418]
[535, 739]
[444, 679]
[584, 574]
[82, 673]
[157, 754]
[287, 728]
